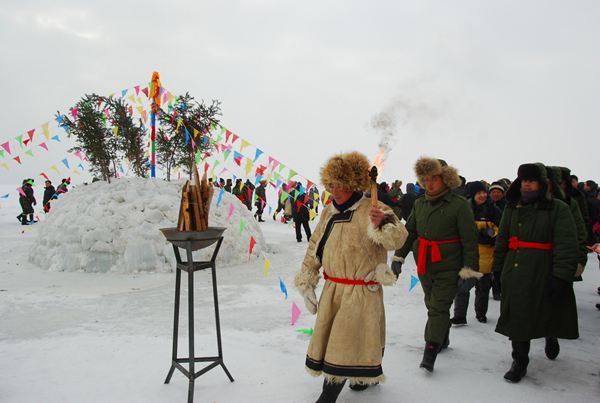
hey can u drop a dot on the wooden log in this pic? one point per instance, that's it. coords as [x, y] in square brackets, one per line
[198, 189]
[186, 207]
[205, 199]
[180, 217]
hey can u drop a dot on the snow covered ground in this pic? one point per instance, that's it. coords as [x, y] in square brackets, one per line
[77, 336]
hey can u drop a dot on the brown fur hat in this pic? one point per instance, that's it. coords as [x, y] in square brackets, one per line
[350, 170]
[426, 167]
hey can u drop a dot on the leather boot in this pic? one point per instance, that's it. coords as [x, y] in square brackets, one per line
[520, 355]
[429, 355]
[552, 347]
[331, 391]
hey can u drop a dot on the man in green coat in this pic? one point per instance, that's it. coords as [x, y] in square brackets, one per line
[536, 254]
[443, 239]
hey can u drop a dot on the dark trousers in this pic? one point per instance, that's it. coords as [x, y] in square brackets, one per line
[482, 297]
[520, 351]
[304, 223]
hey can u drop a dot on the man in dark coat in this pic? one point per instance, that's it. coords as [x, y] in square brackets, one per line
[228, 186]
[497, 194]
[443, 239]
[536, 254]
[49, 194]
[62, 188]
[27, 201]
[300, 214]
[591, 197]
[407, 200]
[261, 200]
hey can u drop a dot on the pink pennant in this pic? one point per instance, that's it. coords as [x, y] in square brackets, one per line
[107, 113]
[30, 133]
[85, 159]
[44, 146]
[252, 243]
[137, 90]
[275, 163]
[21, 191]
[78, 154]
[74, 113]
[6, 146]
[295, 313]
[224, 169]
[231, 208]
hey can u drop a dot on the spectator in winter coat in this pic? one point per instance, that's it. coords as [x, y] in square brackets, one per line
[407, 200]
[247, 194]
[62, 188]
[238, 189]
[382, 196]
[556, 190]
[497, 195]
[536, 254]
[300, 207]
[228, 186]
[591, 197]
[313, 195]
[350, 242]
[27, 201]
[49, 194]
[487, 218]
[443, 239]
[395, 194]
[261, 200]
[280, 204]
[462, 189]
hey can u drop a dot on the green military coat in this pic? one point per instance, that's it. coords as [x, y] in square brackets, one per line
[449, 218]
[526, 313]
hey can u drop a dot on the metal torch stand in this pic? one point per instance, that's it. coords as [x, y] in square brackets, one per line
[190, 267]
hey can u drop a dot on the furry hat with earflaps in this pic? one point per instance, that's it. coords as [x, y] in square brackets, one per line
[349, 170]
[426, 167]
[535, 171]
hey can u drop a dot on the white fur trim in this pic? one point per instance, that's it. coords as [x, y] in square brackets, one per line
[465, 273]
[386, 235]
[372, 276]
[397, 259]
[353, 381]
[384, 274]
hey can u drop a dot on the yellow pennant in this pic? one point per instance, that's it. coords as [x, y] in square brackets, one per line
[54, 167]
[196, 133]
[178, 124]
[115, 131]
[140, 110]
[45, 131]
[147, 154]
[327, 194]
[267, 264]
[175, 171]
[316, 196]
[132, 97]
[244, 145]
[75, 171]
[249, 166]
[312, 214]
[4, 165]
[140, 100]
[112, 95]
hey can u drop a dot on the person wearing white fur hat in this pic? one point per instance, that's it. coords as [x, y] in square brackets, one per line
[350, 243]
[443, 239]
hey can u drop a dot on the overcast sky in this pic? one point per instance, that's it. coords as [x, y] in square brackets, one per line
[484, 85]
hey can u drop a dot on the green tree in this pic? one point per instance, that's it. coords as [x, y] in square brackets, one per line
[173, 145]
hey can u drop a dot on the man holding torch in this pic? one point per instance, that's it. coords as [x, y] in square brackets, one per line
[350, 243]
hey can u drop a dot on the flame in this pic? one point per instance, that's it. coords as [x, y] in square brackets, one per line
[378, 162]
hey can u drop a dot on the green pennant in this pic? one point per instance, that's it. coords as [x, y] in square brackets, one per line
[29, 152]
[226, 154]
[284, 196]
[198, 157]
[219, 138]
[276, 175]
[292, 173]
[2, 153]
[210, 143]
[214, 125]
[281, 166]
[296, 194]
[223, 130]
[242, 226]
[20, 140]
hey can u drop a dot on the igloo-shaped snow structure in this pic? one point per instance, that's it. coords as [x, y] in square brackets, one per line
[114, 227]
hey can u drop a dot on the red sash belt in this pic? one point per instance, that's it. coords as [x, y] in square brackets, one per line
[514, 243]
[435, 252]
[347, 281]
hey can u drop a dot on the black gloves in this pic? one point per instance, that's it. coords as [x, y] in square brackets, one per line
[397, 267]
[465, 285]
[558, 289]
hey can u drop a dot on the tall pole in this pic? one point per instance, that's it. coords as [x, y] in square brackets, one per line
[155, 95]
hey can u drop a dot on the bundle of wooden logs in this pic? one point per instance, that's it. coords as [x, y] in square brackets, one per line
[195, 204]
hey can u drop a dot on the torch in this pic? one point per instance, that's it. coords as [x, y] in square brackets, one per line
[373, 175]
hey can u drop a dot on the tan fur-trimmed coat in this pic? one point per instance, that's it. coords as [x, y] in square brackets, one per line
[349, 333]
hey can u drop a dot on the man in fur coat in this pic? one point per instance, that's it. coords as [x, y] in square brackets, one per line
[443, 239]
[350, 243]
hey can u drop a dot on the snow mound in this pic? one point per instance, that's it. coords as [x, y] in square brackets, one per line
[114, 227]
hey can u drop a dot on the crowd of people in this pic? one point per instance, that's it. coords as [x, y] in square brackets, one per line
[525, 240]
[27, 198]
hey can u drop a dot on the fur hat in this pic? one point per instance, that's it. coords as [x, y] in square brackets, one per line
[426, 167]
[530, 171]
[350, 170]
[398, 182]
